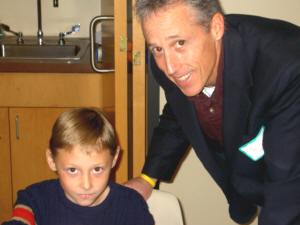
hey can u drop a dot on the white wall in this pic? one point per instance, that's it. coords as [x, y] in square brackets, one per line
[22, 15]
[201, 199]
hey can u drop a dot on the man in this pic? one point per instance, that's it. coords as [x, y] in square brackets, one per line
[232, 85]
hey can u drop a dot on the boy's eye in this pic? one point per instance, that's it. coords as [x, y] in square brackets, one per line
[98, 169]
[72, 170]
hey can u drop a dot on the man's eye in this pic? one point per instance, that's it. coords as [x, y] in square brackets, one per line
[180, 43]
[98, 169]
[72, 170]
[156, 50]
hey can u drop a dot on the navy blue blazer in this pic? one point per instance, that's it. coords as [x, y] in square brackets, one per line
[261, 90]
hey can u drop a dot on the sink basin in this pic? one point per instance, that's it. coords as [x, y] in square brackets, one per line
[49, 51]
[39, 52]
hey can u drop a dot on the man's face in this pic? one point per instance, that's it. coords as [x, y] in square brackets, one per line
[185, 51]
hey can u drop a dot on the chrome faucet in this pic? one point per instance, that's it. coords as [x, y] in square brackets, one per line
[19, 35]
[61, 35]
[40, 34]
[40, 31]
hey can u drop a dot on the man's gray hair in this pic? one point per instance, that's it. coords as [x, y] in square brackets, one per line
[206, 8]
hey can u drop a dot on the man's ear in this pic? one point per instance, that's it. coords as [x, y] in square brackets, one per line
[116, 156]
[50, 160]
[217, 26]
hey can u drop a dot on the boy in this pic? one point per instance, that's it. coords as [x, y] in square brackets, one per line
[82, 151]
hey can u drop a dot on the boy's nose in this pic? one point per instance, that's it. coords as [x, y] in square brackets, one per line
[86, 182]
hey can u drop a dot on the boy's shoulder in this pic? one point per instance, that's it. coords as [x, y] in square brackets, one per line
[127, 199]
[123, 191]
[44, 184]
[38, 195]
[42, 187]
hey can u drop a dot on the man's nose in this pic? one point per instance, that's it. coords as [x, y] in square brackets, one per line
[171, 63]
[86, 181]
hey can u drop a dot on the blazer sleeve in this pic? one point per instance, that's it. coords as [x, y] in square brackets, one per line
[282, 158]
[168, 143]
[167, 147]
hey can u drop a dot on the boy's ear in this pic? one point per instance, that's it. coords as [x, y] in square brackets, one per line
[116, 157]
[50, 160]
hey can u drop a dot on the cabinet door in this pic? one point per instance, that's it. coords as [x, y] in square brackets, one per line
[30, 133]
[5, 175]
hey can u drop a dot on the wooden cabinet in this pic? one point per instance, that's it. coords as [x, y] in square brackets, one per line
[30, 130]
[5, 172]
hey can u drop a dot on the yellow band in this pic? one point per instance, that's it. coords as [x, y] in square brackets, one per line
[148, 179]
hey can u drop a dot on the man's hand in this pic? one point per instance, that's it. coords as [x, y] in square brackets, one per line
[141, 186]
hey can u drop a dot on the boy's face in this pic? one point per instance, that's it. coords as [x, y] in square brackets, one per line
[83, 173]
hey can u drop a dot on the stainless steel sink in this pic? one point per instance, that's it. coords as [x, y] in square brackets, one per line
[73, 50]
[40, 52]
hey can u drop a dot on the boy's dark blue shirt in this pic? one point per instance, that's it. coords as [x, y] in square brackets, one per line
[123, 206]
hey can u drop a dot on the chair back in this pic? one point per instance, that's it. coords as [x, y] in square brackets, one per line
[165, 208]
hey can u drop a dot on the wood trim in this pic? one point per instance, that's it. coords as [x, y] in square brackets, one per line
[121, 86]
[139, 98]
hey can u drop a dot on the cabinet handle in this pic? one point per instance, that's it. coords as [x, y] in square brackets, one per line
[17, 127]
[94, 22]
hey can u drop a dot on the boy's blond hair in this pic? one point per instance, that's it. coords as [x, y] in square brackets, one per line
[85, 127]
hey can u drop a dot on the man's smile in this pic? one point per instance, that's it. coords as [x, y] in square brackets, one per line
[183, 77]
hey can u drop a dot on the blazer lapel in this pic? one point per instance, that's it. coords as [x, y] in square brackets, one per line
[237, 81]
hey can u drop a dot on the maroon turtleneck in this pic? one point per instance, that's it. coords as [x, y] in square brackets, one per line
[210, 109]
